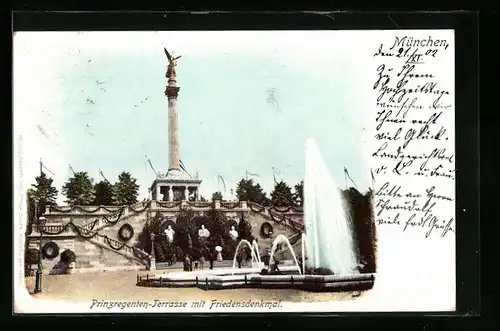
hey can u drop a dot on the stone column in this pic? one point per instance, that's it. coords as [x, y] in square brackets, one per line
[173, 126]
[158, 192]
[197, 194]
[170, 193]
[186, 193]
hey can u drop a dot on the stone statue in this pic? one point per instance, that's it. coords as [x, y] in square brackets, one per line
[172, 63]
[169, 233]
[233, 233]
[203, 232]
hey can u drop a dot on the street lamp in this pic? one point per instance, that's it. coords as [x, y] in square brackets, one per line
[38, 282]
[152, 237]
[270, 248]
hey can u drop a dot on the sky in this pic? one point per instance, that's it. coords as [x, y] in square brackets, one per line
[247, 102]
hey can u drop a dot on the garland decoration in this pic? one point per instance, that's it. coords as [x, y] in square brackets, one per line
[275, 217]
[146, 206]
[169, 204]
[82, 232]
[294, 238]
[80, 208]
[108, 218]
[91, 226]
[126, 232]
[229, 205]
[55, 229]
[50, 250]
[115, 244]
[296, 225]
[253, 207]
[298, 209]
[266, 229]
[285, 210]
[200, 204]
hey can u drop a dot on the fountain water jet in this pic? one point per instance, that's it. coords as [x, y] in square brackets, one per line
[254, 255]
[255, 246]
[329, 236]
[278, 240]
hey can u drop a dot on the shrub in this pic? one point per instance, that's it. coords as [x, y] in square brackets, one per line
[363, 225]
[68, 256]
[31, 256]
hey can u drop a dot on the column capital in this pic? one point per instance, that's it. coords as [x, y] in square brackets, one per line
[172, 91]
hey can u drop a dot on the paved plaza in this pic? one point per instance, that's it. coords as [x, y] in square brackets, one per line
[121, 286]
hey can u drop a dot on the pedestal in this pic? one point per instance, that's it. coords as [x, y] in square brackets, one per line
[152, 264]
[38, 280]
[71, 268]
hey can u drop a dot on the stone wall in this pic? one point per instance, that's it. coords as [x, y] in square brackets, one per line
[53, 266]
[94, 255]
[90, 255]
[257, 219]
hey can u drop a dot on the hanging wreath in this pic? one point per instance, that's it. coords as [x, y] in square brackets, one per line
[50, 250]
[266, 229]
[144, 205]
[126, 232]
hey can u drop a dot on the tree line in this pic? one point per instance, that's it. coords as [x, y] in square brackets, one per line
[81, 189]
[281, 196]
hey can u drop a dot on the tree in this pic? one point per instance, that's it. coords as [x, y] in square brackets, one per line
[103, 194]
[217, 224]
[245, 229]
[186, 232]
[43, 193]
[282, 195]
[79, 189]
[217, 196]
[298, 195]
[246, 190]
[164, 251]
[126, 190]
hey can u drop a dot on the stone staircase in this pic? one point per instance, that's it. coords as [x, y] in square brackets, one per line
[273, 215]
[284, 220]
[92, 238]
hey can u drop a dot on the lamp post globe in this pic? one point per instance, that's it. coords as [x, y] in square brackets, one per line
[38, 281]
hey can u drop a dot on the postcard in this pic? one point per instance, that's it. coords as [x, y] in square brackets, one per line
[234, 171]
